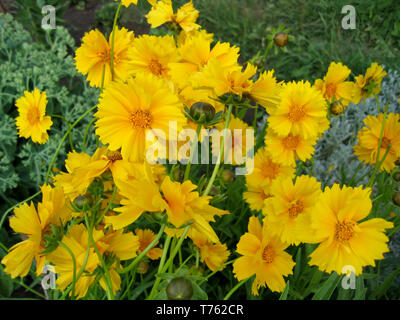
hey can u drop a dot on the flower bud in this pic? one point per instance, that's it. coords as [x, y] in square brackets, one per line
[396, 176]
[227, 176]
[201, 108]
[337, 108]
[83, 201]
[178, 175]
[396, 198]
[142, 267]
[397, 162]
[179, 289]
[281, 39]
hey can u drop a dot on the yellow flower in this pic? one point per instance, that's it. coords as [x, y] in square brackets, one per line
[32, 121]
[152, 54]
[236, 151]
[334, 87]
[184, 36]
[368, 140]
[94, 56]
[184, 205]
[288, 211]
[266, 91]
[302, 111]
[286, 150]
[124, 246]
[369, 85]
[266, 170]
[213, 254]
[127, 3]
[162, 12]
[146, 236]
[264, 256]
[129, 112]
[256, 195]
[35, 224]
[344, 240]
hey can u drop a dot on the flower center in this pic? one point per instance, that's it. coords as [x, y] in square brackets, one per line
[296, 113]
[33, 116]
[330, 90]
[296, 209]
[268, 254]
[270, 170]
[385, 143]
[344, 231]
[141, 119]
[114, 156]
[156, 67]
[291, 142]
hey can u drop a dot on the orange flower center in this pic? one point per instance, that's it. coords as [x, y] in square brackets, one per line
[344, 231]
[330, 89]
[114, 156]
[385, 143]
[268, 254]
[270, 170]
[296, 209]
[291, 142]
[156, 67]
[105, 57]
[141, 119]
[296, 113]
[33, 116]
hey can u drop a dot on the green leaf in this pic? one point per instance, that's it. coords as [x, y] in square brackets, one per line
[6, 285]
[386, 284]
[285, 292]
[325, 292]
[198, 293]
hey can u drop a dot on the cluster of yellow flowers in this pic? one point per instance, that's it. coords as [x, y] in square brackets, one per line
[146, 82]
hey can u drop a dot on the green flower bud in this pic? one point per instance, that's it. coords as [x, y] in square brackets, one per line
[396, 198]
[83, 201]
[143, 267]
[227, 176]
[201, 108]
[396, 176]
[179, 289]
[281, 39]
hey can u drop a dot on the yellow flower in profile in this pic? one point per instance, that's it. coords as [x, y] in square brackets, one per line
[32, 121]
[129, 112]
[162, 12]
[146, 236]
[266, 91]
[286, 150]
[344, 240]
[213, 254]
[266, 170]
[184, 205]
[236, 151]
[127, 3]
[369, 85]
[256, 195]
[302, 111]
[152, 54]
[288, 211]
[368, 140]
[94, 56]
[35, 224]
[263, 255]
[334, 86]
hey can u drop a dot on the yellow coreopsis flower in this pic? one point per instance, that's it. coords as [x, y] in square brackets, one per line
[35, 224]
[368, 141]
[146, 236]
[286, 150]
[256, 195]
[128, 114]
[302, 111]
[94, 56]
[32, 121]
[152, 54]
[127, 3]
[264, 256]
[344, 240]
[162, 12]
[369, 85]
[288, 211]
[334, 86]
[213, 254]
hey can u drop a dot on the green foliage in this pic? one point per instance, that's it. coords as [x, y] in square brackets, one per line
[25, 65]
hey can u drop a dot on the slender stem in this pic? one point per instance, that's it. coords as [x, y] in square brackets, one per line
[144, 252]
[68, 125]
[16, 205]
[193, 150]
[133, 276]
[235, 288]
[221, 151]
[85, 135]
[73, 266]
[108, 205]
[112, 40]
[215, 271]
[30, 289]
[106, 275]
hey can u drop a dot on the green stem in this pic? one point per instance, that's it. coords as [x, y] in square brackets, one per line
[106, 275]
[73, 266]
[85, 135]
[68, 125]
[193, 150]
[112, 40]
[133, 275]
[221, 151]
[215, 271]
[30, 289]
[144, 252]
[235, 288]
[108, 205]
